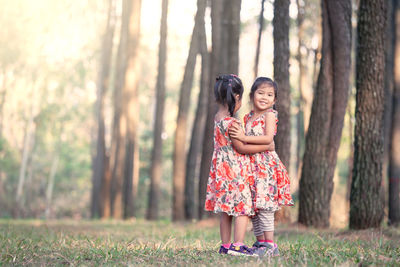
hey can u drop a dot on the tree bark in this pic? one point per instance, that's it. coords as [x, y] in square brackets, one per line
[98, 173]
[131, 106]
[366, 205]
[394, 163]
[260, 30]
[125, 113]
[156, 156]
[281, 76]
[26, 152]
[179, 159]
[117, 154]
[327, 115]
[224, 59]
[106, 190]
[200, 117]
[50, 186]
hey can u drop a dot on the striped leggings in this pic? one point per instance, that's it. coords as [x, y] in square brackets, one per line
[263, 221]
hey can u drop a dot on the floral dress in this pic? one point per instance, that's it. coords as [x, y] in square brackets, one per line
[228, 187]
[272, 185]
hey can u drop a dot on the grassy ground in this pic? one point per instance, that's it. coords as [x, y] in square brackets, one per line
[146, 243]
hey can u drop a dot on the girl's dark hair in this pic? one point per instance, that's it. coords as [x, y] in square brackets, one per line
[225, 89]
[263, 80]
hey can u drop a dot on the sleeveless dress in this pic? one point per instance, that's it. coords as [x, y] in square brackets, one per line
[229, 182]
[271, 188]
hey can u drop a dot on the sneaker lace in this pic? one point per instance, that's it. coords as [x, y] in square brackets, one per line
[246, 248]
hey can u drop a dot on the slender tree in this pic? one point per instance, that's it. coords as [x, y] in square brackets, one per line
[224, 58]
[131, 107]
[366, 206]
[125, 121]
[156, 156]
[281, 76]
[260, 30]
[389, 83]
[200, 117]
[98, 166]
[328, 110]
[394, 163]
[29, 133]
[181, 127]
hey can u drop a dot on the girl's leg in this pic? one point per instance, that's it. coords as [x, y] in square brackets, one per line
[225, 228]
[266, 222]
[258, 232]
[269, 235]
[240, 228]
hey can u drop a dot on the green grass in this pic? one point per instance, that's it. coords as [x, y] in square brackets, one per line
[139, 242]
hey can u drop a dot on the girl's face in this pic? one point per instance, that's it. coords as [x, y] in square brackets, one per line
[238, 100]
[264, 97]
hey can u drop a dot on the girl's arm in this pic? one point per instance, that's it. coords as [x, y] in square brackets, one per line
[236, 132]
[243, 148]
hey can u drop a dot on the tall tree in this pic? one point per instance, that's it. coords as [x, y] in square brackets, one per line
[281, 76]
[200, 117]
[29, 133]
[260, 30]
[225, 23]
[178, 210]
[156, 156]
[125, 113]
[394, 163]
[366, 206]
[50, 185]
[389, 83]
[98, 166]
[131, 106]
[328, 110]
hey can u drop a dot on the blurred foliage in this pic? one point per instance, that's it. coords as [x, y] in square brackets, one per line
[49, 60]
[48, 63]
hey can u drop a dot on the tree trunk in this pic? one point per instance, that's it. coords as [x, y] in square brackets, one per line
[3, 96]
[117, 154]
[281, 76]
[125, 113]
[156, 156]
[389, 83]
[224, 59]
[102, 85]
[106, 190]
[131, 106]
[394, 163]
[260, 30]
[366, 206]
[200, 117]
[178, 210]
[328, 110]
[301, 84]
[26, 151]
[50, 186]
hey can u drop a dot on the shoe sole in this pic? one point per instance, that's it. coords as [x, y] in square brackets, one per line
[234, 253]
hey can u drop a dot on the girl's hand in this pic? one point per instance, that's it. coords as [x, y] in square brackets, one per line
[271, 147]
[235, 131]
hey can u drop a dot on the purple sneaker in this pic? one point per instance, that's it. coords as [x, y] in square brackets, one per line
[223, 250]
[272, 250]
[241, 251]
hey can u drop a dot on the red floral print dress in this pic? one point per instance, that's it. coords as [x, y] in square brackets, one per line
[271, 180]
[228, 188]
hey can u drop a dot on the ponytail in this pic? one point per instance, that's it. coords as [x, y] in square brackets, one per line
[225, 89]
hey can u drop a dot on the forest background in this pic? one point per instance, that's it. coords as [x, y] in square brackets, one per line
[52, 58]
